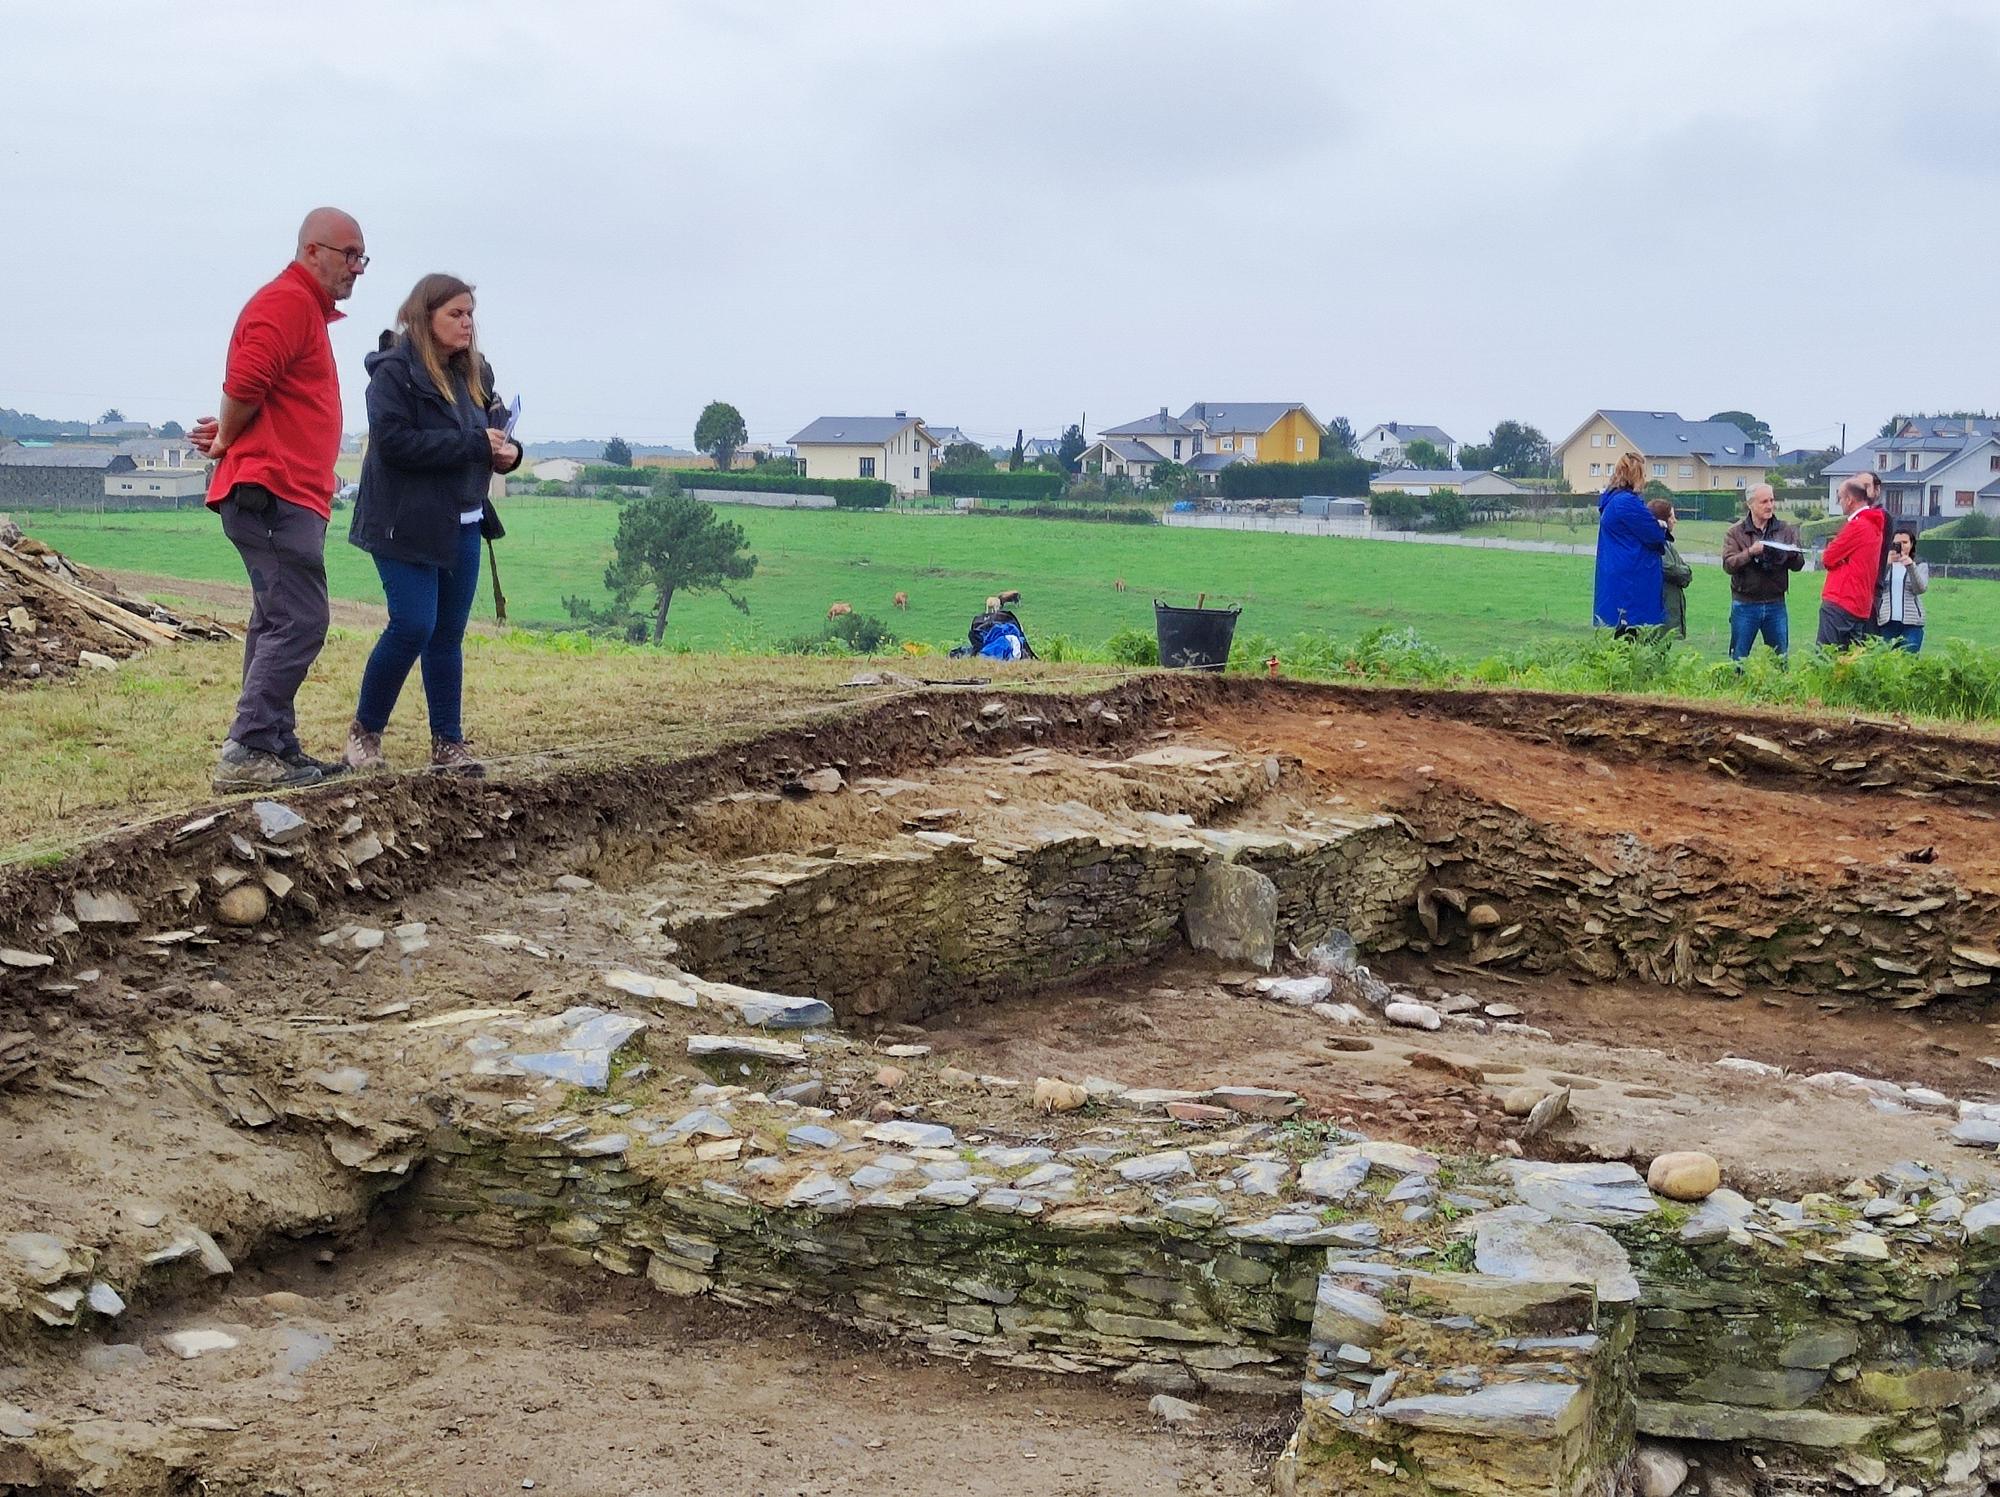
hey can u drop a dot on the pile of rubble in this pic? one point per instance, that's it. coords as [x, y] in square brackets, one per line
[57, 618]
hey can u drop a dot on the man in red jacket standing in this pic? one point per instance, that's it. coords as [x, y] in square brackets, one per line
[1852, 560]
[274, 446]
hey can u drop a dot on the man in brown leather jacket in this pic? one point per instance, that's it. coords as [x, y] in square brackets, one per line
[1760, 553]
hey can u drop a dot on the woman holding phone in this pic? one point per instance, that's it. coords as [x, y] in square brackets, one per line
[432, 450]
[1899, 612]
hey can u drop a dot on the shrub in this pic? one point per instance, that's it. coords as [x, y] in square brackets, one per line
[997, 484]
[1819, 532]
[1974, 526]
[1448, 511]
[1345, 477]
[1396, 510]
[1971, 551]
[605, 474]
[1133, 647]
[850, 634]
[1111, 514]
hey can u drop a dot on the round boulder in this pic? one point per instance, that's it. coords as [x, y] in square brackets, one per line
[1684, 1176]
[1483, 917]
[245, 904]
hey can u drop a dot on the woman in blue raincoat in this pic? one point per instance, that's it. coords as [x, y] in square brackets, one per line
[1630, 545]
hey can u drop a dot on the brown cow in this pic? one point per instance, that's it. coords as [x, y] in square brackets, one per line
[840, 610]
[1119, 585]
[901, 600]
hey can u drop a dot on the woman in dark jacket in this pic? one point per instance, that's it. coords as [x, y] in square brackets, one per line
[432, 450]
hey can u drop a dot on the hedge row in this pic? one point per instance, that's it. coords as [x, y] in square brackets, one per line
[999, 484]
[1962, 553]
[1114, 514]
[846, 493]
[1345, 477]
[605, 473]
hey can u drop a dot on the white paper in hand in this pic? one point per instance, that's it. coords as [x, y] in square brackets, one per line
[513, 415]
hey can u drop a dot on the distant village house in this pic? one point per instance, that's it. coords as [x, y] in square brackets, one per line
[896, 449]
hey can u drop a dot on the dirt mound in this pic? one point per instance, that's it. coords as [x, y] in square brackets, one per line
[57, 618]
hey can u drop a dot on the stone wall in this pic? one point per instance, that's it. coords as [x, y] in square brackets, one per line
[1615, 907]
[999, 1275]
[898, 935]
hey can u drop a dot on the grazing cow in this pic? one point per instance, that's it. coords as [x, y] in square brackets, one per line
[901, 600]
[1119, 585]
[840, 610]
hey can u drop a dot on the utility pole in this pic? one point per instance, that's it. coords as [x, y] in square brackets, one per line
[1843, 439]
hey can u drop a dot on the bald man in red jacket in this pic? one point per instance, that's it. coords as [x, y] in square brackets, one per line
[274, 447]
[1853, 563]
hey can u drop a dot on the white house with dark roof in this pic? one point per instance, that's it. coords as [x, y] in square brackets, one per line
[1684, 455]
[1167, 436]
[1931, 466]
[1120, 457]
[1385, 442]
[894, 448]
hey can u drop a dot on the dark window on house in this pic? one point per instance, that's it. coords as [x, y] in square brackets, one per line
[1963, 498]
[868, 467]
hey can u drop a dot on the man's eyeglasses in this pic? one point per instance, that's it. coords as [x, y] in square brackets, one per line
[354, 258]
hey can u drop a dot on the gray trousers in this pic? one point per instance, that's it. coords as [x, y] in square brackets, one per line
[284, 551]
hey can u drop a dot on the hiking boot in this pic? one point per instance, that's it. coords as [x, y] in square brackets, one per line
[364, 749]
[300, 759]
[455, 756]
[239, 768]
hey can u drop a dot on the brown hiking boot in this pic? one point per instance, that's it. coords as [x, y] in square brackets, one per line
[238, 768]
[455, 756]
[364, 749]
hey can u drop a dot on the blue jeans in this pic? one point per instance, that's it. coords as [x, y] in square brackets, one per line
[1748, 620]
[428, 607]
[1903, 636]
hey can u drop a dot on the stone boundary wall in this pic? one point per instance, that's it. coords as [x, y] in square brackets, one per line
[997, 1275]
[1681, 917]
[899, 935]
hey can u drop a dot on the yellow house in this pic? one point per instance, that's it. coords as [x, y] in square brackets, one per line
[1260, 431]
[1683, 455]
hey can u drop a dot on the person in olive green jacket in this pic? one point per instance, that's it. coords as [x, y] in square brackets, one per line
[1676, 573]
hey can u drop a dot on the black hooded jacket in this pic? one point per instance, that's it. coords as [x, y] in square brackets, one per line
[428, 459]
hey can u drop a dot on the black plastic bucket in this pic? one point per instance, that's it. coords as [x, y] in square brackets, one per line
[1194, 639]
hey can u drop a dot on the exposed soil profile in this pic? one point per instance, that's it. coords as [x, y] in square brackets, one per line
[961, 897]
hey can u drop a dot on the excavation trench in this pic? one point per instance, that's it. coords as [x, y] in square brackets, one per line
[955, 1029]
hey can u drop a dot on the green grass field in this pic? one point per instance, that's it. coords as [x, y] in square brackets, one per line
[1467, 601]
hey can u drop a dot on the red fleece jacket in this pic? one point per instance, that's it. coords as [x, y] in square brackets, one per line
[281, 361]
[1852, 560]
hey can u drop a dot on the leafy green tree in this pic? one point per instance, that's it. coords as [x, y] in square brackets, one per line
[1170, 477]
[1424, 453]
[173, 429]
[618, 453]
[1757, 431]
[1519, 451]
[1017, 459]
[1655, 489]
[1070, 448]
[668, 543]
[1339, 435]
[1474, 455]
[114, 414]
[967, 457]
[719, 432]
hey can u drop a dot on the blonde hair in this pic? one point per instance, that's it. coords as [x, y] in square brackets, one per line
[413, 322]
[1629, 474]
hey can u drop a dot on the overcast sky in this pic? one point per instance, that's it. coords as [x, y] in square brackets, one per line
[1011, 214]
